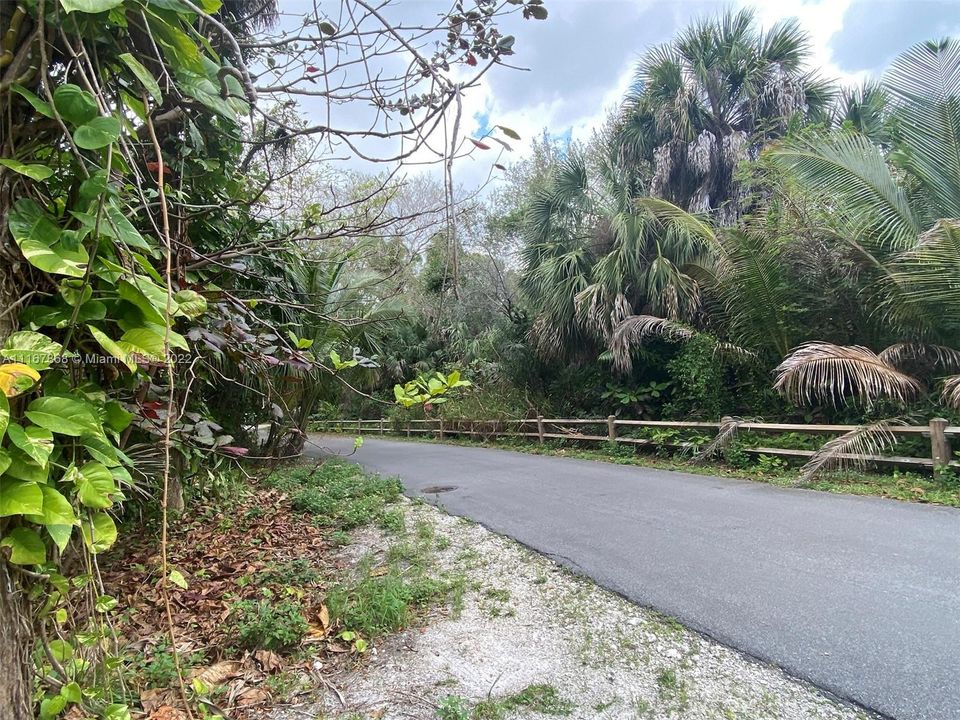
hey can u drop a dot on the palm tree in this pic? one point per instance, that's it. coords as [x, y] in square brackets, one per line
[709, 99]
[595, 254]
[898, 213]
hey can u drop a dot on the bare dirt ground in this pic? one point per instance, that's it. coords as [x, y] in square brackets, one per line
[526, 624]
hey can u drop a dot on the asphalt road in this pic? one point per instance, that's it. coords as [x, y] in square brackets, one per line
[859, 596]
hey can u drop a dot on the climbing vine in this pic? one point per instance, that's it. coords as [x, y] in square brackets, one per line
[138, 282]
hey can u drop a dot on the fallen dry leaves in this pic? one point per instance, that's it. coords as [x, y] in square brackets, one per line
[223, 556]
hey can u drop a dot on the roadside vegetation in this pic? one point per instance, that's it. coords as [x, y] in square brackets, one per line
[271, 598]
[189, 272]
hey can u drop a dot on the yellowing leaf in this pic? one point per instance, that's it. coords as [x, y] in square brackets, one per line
[13, 377]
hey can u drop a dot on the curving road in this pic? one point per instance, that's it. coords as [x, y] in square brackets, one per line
[859, 596]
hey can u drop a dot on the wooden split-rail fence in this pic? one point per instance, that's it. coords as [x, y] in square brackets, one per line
[939, 431]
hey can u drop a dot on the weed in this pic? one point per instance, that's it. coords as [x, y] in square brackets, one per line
[443, 542]
[425, 530]
[339, 538]
[605, 705]
[668, 681]
[453, 707]
[268, 625]
[295, 572]
[543, 699]
[338, 494]
[393, 521]
[283, 685]
[377, 604]
[498, 594]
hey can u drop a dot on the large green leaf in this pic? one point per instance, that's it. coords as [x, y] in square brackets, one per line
[49, 260]
[29, 221]
[90, 6]
[98, 133]
[65, 416]
[37, 442]
[39, 239]
[23, 467]
[41, 106]
[99, 532]
[190, 304]
[118, 418]
[143, 75]
[32, 171]
[60, 534]
[75, 104]
[95, 486]
[101, 449]
[57, 510]
[31, 348]
[20, 498]
[26, 547]
[113, 348]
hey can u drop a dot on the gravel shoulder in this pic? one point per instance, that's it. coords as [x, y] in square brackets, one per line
[526, 621]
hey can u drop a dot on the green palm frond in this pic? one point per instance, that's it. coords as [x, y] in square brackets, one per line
[925, 83]
[851, 172]
[927, 279]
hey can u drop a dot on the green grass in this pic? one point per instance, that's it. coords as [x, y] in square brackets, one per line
[338, 494]
[541, 699]
[267, 624]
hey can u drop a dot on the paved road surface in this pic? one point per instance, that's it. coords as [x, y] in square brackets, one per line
[860, 596]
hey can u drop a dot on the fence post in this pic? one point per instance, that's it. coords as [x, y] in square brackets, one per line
[441, 429]
[939, 444]
[612, 427]
[381, 426]
[540, 428]
[358, 426]
[408, 428]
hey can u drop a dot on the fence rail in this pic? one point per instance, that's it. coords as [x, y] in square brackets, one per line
[938, 431]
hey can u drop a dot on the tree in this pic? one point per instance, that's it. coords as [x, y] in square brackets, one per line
[708, 100]
[897, 213]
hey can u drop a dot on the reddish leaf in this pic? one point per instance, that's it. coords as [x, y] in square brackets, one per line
[479, 144]
[311, 68]
[234, 450]
[471, 60]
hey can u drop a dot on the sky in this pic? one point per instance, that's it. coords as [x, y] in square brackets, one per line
[580, 60]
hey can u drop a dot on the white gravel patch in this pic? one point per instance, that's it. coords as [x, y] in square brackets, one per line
[525, 620]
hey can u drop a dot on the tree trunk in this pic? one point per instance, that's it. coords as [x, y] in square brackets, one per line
[16, 645]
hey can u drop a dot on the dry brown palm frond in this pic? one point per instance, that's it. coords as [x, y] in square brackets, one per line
[634, 329]
[725, 435]
[850, 448]
[938, 355]
[823, 372]
[951, 392]
[734, 352]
